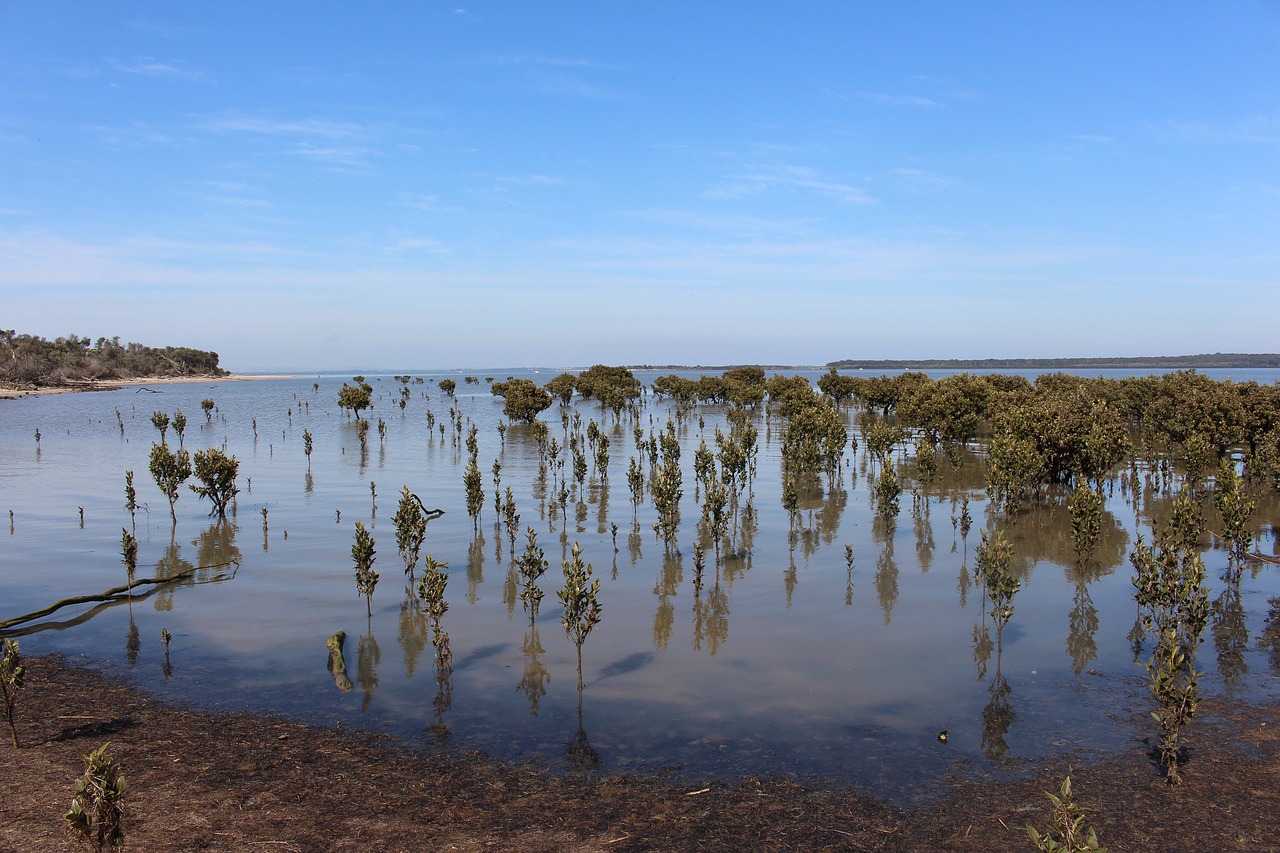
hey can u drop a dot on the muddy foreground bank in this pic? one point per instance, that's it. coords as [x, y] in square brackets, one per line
[215, 781]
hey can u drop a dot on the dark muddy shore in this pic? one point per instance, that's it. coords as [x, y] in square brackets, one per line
[215, 781]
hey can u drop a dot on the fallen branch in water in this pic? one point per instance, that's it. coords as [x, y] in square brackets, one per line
[118, 593]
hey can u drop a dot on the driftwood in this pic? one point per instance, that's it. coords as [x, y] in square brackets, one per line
[338, 663]
[119, 593]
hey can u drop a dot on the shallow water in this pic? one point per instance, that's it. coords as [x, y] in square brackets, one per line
[785, 662]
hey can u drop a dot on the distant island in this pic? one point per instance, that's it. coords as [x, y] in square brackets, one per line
[1155, 362]
[30, 361]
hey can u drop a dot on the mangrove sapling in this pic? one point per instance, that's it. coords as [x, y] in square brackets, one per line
[472, 480]
[531, 565]
[160, 420]
[1173, 605]
[129, 552]
[217, 474]
[994, 563]
[1068, 834]
[1086, 518]
[97, 809]
[363, 553]
[362, 432]
[307, 446]
[12, 676]
[580, 598]
[411, 529]
[166, 638]
[207, 405]
[497, 488]
[180, 425]
[635, 482]
[431, 587]
[887, 490]
[170, 469]
[1235, 508]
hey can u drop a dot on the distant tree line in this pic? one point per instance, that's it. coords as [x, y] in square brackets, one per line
[1156, 362]
[30, 360]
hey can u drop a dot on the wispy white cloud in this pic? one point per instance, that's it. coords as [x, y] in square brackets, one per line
[896, 100]
[1255, 130]
[149, 67]
[526, 59]
[308, 127]
[789, 177]
[923, 178]
[553, 75]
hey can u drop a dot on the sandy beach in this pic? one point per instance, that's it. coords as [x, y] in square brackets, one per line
[10, 392]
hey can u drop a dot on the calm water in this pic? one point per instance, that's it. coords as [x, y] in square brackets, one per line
[786, 662]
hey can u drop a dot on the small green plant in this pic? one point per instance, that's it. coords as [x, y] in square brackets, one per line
[97, 809]
[431, 587]
[531, 565]
[216, 472]
[1068, 833]
[12, 676]
[180, 425]
[411, 529]
[130, 497]
[473, 483]
[307, 446]
[580, 598]
[995, 557]
[208, 405]
[364, 555]
[160, 420]
[887, 491]
[129, 551]
[1086, 519]
[1173, 606]
[170, 469]
[1235, 507]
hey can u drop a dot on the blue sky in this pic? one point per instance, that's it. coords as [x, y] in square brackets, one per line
[325, 185]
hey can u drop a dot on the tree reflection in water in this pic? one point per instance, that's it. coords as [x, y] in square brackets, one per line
[533, 684]
[368, 658]
[1230, 630]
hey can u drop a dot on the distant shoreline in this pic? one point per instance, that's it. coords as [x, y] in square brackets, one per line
[1169, 362]
[11, 393]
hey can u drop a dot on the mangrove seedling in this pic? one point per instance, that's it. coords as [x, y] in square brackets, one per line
[12, 675]
[995, 559]
[431, 587]
[180, 425]
[170, 470]
[1068, 833]
[531, 565]
[130, 498]
[160, 420]
[364, 555]
[97, 809]
[1086, 519]
[129, 552]
[411, 529]
[207, 405]
[307, 446]
[580, 598]
[216, 472]
[473, 482]
[1173, 606]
